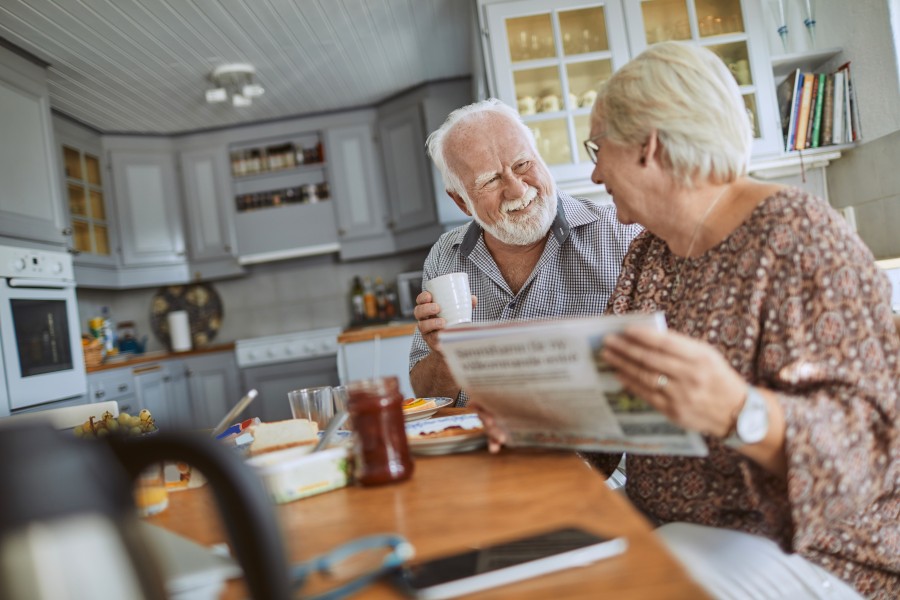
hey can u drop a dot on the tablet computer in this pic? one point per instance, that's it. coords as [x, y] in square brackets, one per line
[481, 568]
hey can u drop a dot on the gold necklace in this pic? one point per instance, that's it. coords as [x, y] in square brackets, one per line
[676, 286]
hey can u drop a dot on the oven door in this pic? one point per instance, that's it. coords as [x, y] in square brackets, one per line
[41, 342]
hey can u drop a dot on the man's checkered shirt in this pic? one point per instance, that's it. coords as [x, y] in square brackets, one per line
[574, 276]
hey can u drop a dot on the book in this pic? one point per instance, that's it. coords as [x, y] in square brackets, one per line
[545, 385]
[828, 110]
[812, 111]
[855, 130]
[803, 113]
[817, 118]
[786, 91]
[795, 109]
[837, 135]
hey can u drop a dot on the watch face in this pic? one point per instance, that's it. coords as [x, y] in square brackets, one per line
[753, 420]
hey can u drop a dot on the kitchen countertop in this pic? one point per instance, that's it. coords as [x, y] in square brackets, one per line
[136, 359]
[367, 333]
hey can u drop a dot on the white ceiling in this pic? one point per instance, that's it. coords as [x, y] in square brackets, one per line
[142, 66]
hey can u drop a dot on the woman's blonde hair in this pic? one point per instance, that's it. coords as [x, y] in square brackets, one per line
[688, 95]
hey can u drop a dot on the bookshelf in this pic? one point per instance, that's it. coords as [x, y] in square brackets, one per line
[784, 64]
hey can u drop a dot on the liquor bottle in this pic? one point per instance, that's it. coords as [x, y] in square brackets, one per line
[380, 298]
[369, 301]
[357, 302]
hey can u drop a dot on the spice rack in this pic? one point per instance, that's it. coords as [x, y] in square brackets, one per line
[279, 172]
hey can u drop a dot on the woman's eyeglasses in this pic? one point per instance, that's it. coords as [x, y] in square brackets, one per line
[353, 566]
[592, 147]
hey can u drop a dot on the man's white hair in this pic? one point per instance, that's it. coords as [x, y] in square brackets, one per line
[688, 95]
[471, 112]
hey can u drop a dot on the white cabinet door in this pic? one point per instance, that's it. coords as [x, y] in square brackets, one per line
[148, 207]
[208, 203]
[214, 387]
[410, 194]
[30, 199]
[357, 190]
[178, 395]
[151, 391]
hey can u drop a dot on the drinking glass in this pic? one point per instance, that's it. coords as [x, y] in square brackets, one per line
[313, 403]
[341, 395]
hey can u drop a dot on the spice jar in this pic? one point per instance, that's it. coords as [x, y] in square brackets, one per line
[380, 445]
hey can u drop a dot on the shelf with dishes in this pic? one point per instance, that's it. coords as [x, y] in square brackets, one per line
[262, 160]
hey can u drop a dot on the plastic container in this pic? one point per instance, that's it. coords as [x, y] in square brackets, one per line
[294, 473]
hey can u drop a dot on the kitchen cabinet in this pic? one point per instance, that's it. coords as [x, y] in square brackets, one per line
[30, 200]
[211, 238]
[152, 391]
[148, 205]
[83, 177]
[735, 31]
[214, 387]
[357, 186]
[418, 205]
[547, 60]
[408, 178]
[113, 384]
[282, 206]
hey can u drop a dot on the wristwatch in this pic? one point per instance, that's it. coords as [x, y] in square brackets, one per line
[752, 421]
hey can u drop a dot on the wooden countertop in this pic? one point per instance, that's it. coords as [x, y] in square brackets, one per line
[457, 501]
[367, 333]
[137, 359]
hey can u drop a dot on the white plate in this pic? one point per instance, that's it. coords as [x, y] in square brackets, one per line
[471, 436]
[424, 413]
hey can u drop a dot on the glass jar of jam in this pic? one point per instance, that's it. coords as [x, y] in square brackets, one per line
[380, 445]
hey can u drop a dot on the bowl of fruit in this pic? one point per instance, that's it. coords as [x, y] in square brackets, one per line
[123, 424]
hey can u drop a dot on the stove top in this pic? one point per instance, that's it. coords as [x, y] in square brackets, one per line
[302, 345]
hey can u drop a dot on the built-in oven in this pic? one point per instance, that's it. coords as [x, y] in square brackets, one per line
[40, 336]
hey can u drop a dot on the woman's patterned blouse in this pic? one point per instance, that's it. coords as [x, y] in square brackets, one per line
[792, 298]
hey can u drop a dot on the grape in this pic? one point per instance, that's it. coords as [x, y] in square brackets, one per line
[79, 431]
[124, 418]
[135, 431]
[145, 415]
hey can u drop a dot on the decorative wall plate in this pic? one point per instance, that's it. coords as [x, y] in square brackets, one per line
[203, 306]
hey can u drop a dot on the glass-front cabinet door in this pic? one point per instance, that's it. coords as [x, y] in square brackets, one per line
[730, 28]
[86, 203]
[548, 60]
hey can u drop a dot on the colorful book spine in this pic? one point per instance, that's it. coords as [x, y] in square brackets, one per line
[795, 110]
[838, 134]
[812, 111]
[828, 110]
[803, 115]
[817, 118]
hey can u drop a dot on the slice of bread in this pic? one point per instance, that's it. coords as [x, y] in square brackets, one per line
[279, 435]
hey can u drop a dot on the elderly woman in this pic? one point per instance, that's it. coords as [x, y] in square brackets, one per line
[781, 348]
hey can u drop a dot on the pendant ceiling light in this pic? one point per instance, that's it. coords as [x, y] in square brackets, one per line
[234, 80]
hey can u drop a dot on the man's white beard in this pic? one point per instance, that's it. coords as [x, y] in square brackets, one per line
[520, 230]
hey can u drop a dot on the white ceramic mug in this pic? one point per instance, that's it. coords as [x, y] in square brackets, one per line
[451, 292]
[527, 105]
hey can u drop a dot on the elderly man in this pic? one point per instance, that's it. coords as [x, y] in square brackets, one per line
[531, 252]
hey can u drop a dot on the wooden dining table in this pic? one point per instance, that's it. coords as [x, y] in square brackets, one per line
[459, 501]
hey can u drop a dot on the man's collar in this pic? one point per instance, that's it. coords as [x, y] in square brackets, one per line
[560, 228]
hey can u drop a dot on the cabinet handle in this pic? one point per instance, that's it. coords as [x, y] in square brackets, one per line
[341, 232]
[391, 224]
[73, 251]
[188, 372]
[99, 394]
[123, 387]
[227, 248]
[125, 408]
[67, 231]
[167, 379]
[180, 253]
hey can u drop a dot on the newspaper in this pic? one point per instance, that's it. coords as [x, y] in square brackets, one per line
[546, 385]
